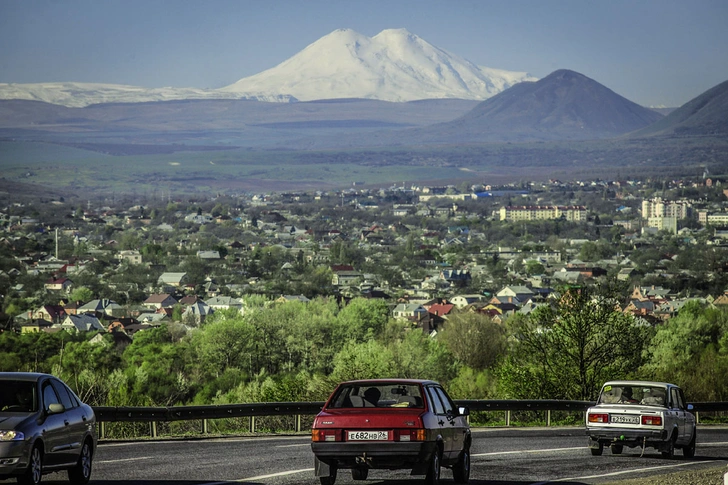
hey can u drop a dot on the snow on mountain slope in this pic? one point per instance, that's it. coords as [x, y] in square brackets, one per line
[394, 65]
[78, 95]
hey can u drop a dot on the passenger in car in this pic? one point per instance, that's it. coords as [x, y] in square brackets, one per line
[371, 397]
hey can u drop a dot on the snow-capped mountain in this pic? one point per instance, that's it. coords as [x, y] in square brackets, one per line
[394, 65]
[78, 95]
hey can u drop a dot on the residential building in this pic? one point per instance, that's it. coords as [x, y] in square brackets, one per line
[537, 213]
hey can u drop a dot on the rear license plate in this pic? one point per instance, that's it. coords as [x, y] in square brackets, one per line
[624, 419]
[368, 435]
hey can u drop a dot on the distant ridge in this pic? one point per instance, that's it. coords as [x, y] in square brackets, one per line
[565, 105]
[706, 114]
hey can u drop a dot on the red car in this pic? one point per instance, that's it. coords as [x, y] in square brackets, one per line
[391, 424]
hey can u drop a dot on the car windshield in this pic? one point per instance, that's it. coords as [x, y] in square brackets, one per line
[380, 395]
[633, 394]
[18, 397]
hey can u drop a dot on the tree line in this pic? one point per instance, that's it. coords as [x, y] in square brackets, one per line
[294, 351]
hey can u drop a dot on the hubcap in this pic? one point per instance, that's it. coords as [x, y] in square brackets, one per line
[36, 466]
[86, 460]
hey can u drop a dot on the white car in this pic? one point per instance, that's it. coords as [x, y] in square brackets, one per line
[641, 414]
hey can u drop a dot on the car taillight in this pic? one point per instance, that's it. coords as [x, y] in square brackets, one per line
[598, 418]
[652, 420]
[412, 434]
[324, 435]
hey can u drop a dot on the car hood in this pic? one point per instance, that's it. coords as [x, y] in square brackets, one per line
[14, 420]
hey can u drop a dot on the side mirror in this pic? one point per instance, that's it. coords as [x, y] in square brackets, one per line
[463, 411]
[56, 408]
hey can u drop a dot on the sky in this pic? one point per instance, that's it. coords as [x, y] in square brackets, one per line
[653, 52]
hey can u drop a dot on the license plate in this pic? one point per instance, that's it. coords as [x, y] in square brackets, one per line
[368, 435]
[625, 418]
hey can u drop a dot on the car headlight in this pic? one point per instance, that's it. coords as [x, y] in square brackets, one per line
[11, 436]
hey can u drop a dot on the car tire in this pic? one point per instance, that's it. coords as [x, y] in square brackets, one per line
[359, 473]
[433, 471]
[81, 473]
[669, 453]
[331, 479]
[34, 473]
[461, 470]
[689, 450]
[616, 449]
[597, 451]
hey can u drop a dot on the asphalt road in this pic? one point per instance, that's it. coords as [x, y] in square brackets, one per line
[499, 457]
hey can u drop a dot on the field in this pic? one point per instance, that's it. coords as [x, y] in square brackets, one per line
[129, 168]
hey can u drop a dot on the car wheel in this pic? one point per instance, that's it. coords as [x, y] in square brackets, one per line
[331, 479]
[359, 473]
[689, 450]
[433, 472]
[597, 451]
[461, 470]
[34, 473]
[669, 452]
[81, 473]
[616, 449]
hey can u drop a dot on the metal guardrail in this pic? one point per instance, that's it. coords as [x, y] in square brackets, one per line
[153, 415]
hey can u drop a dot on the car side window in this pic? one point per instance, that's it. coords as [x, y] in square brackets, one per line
[49, 396]
[446, 402]
[674, 401]
[435, 400]
[679, 398]
[62, 392]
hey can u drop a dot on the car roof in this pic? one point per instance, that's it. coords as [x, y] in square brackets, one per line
[639, 383]
[363, 382]
[22, 376]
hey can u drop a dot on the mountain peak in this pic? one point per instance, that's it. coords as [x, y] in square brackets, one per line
[394, 65]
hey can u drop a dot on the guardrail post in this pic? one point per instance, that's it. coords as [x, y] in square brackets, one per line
[298, 423]
[697, 417]
[252, 424]
[508, 418]
[102, 429]
[153, 429]
[548, 417]
[204, 426]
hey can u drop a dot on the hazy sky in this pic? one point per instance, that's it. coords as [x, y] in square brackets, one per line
[653, 52]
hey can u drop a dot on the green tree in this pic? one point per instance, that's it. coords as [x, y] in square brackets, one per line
[475, 340]
[567, 351]
[82, 294]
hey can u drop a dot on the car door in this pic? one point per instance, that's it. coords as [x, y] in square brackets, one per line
[453, 425]
[53, 428]
[438, 409]
[678, 413]
[688, 419]
[75, 417]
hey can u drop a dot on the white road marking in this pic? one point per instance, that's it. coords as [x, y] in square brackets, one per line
[262, 477]
[293, 446]
[126, 459]
[625, 472]
[519, 452]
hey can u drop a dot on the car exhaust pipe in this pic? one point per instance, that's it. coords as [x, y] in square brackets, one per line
[363, 460]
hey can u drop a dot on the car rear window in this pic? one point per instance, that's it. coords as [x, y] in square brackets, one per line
[378, 395]
[633, 394]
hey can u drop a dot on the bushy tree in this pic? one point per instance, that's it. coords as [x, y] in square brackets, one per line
[569, 350]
